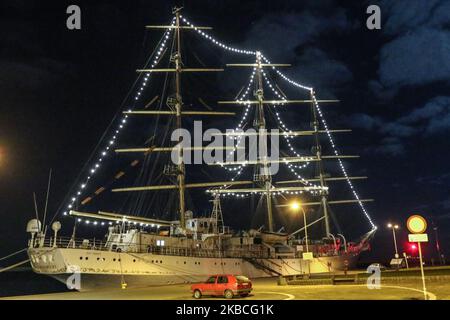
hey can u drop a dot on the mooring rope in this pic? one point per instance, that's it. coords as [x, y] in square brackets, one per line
[13, 254]
[14, 265]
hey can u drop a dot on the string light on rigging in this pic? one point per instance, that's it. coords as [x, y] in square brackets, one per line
[283, 76]
[344, 171]
[122, 123]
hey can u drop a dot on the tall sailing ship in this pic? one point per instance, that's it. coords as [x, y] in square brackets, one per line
[140, 248]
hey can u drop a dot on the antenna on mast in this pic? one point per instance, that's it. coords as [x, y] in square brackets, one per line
[46, 198]
[36, 209]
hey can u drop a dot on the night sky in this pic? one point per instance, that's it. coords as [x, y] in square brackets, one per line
[60, 89]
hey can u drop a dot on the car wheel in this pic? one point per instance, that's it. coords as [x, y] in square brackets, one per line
[197, 294]
[228, 294]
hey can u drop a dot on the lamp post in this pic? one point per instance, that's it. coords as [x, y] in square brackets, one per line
[296, 206]
[393, 227]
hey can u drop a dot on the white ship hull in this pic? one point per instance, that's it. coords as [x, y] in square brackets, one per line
[106, 269]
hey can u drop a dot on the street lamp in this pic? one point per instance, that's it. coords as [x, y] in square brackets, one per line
[393, 227]
[296, 206]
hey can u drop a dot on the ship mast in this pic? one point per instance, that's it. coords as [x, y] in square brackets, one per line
[178, 107]
[263, 176]
[319, 167]
[262, 172]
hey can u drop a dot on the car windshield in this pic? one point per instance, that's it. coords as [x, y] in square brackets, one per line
[242, 279]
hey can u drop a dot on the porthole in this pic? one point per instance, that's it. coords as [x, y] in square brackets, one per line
[81, 258]
[86, 258]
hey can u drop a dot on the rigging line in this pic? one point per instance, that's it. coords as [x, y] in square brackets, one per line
[285, 77]
[279, 95]
[157, 124]
[140, 198]
[336, 152]
[46, 197]
[14, 265]
[247, 52]
[141, 176]
[107, 130]
[292, 167]
[13, 254]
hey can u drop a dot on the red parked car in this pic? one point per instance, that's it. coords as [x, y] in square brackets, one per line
[226, 285]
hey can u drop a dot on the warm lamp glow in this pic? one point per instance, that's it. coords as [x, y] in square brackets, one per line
[295, 205]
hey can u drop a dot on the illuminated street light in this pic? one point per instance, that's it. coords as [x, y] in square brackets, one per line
[295, 206]
[394, 227]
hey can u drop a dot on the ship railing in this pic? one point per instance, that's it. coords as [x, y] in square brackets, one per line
[101, 245]
[67, 242]
[205, 253]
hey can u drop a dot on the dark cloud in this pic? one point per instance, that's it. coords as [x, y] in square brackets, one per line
[431, 119]
[417, 47]
[403, 62]
[404, 15]
[318, 69]
[438, 180]
[390, 146]
[286, 32]
[364, 121]
[293, 38]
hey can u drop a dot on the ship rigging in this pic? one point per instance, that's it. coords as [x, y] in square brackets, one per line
[260, 251]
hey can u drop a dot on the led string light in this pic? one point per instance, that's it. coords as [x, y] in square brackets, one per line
[215, 41]
[248, 52]
[344, 172]
[122, 123]
[292, 82]
[322, 118]
[298, 85]
[289, 135]
[313, 190]
[241, 123]
[155, 60]
[130, 223]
